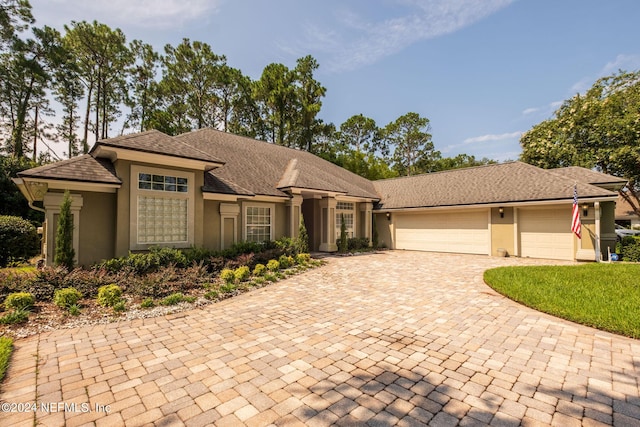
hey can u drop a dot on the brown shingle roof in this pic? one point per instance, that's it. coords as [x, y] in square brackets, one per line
[589, 176]
[497, 183]
[84, 168]
[266, 169]
[624, 209]
[154, 141]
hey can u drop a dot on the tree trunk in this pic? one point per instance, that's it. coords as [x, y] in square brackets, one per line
[35, 135]
[85, 142]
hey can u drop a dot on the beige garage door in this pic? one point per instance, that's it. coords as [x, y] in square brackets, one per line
[458, 232]
[546, 233]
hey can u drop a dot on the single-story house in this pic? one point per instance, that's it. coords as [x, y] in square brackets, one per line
[625, 215]
[211, 189]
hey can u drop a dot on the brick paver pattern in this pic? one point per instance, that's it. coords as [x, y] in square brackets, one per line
[395, 338]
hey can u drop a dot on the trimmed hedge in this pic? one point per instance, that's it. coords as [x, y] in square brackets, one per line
[18, 240]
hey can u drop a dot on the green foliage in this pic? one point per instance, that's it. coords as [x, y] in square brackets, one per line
[301, 243]
[259, 270]
[285, 261]
[147, 303]
[212, 295]
[74, 310]
[6, 348]
[374, 235]
[18, 240]
[176, 298]
[286, 244]
[242, 273]
[605, 296]
[15, 317]
[409, 136]
[303, 259]
[228, 288]
[19, 301]
[66, 297]
[228, 275]
[120, 306]
[146, 262]
[273, 265]
[65, 253]
[109, 295]
[343, 244]
[630, 248]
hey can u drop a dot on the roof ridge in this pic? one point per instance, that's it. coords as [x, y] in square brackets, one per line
[455, 170]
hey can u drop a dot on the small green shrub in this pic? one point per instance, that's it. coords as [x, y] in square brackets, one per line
[74, 310]
[147, 303]
[343, 244]
[273, 265]
[259, 270]
[119, 307]
[270, 277]
[228, 288]
[14, 317]
[286, 261]
[19, 301]
[258, 281]
[303, 259]
[630, 249]
[109, 295]
[66, 297]
[6, 348]
[146, 262]
[211, 295]
[177, 298]
[228, 275]
[64, 251]
[286, 244]
[242, 273]
[18, 240]
[301, 243]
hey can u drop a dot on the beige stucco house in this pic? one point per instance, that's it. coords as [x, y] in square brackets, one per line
[210, 189]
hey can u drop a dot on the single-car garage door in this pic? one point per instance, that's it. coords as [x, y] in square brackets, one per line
[546, 233]
[458, 232]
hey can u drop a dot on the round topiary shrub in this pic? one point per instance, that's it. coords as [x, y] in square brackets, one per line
[228, 275]
[19, 301]
[66, 297]
[18, 239]
[273, 265]
[109, 295]
[259, 270]
[242, 273]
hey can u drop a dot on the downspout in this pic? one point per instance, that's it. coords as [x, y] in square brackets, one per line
[36, 208]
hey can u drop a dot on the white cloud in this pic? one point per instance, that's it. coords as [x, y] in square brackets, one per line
[358, 42]
[492, 137]
[546, 110]
[162, 14]
[621, 62]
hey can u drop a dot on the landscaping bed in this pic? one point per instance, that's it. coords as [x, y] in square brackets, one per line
[141, 285]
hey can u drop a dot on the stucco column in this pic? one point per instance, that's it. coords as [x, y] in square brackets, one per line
[367, 208]
[328, 224]
[52, 203]
[294, 206]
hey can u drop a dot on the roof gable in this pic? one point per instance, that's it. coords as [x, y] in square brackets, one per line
[154, 142]
[512, 182]
[263, 168]
[83, 168]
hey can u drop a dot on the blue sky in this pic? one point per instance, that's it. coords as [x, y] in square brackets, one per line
[482, 71]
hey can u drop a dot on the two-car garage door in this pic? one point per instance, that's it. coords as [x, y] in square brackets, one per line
[458, 232]
[541, 232]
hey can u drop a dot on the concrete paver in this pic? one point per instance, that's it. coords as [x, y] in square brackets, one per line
[395, 338]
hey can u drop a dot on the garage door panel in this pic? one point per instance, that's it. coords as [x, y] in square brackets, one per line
[545, 233]
[443, 232]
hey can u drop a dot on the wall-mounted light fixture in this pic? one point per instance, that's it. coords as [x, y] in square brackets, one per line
[585, 210]
[501, 210]
[388, 216]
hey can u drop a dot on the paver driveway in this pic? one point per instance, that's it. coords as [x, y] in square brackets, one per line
[394, 338]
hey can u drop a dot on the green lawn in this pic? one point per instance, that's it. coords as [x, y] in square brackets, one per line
[605, 296]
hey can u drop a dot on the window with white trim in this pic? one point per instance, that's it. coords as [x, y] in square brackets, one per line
[345, 210]
[258, 222]
[162, 207]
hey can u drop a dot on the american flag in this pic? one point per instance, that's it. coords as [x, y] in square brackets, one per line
[576, 227]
